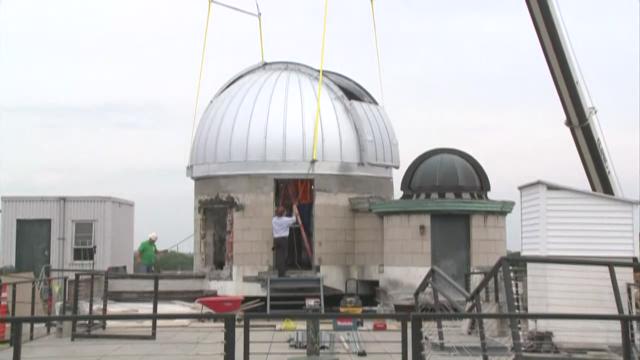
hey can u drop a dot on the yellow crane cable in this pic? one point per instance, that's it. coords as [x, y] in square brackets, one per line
[260, 29]
[204, 48]
[317, 122]
[375, 35]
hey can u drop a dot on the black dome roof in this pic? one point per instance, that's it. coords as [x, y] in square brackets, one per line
[442, 171]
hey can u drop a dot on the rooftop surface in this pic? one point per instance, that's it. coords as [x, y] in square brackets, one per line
[194, 341]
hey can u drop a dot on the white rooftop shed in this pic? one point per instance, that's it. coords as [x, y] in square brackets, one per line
[561, 221]
[76, 232]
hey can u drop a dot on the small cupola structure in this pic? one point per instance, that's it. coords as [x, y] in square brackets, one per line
[445, 174]
[444, 218]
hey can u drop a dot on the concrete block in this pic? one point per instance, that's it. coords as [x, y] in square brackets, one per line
[500, 247]
[419, 260]
[479, 232]
[349, 235]
[241, 248]
[477, 220]
[494, 233]
[417, 220]
[349, 259]
[336, 235]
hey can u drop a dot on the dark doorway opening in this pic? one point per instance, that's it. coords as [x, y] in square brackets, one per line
[216, 235]
[450, 246]
[33, 245]
[297, 197]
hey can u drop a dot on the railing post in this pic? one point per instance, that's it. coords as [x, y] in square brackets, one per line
[16, 335]
[626, 339]
[13, 310]
[436, 302]
[481, 333]
[154, 321]
[624, 324]
[496, 288]
[64, 296]
[74, 309]
[105, 298]
[92, 279]
[32, 310]
[416, 337]
[511, 308]
[403, 338]
[229, 338]
[246, 338]
[50, 303]
[313, 337]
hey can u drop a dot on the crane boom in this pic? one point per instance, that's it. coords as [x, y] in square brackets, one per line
[581, 115]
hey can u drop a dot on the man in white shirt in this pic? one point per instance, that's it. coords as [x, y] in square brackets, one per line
[281, 225]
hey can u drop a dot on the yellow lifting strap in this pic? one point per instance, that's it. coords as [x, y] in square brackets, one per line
[317, 122]
[204, 48]
[260, 29]
[375, 35]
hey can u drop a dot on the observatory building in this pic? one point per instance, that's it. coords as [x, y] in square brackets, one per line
[252, 153]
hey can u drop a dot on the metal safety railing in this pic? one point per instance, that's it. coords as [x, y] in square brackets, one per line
[406, 341]
[30, 298]
[330, 340]
[228, 319]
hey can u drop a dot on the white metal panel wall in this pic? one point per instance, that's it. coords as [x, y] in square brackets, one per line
[581, 225]
[88, 210]
[12, 210]
[122, 227]
[531, 217]
[113, 228]
[553, 288]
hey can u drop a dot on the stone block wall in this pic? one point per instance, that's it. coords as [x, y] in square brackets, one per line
[252, 233]
[369, 244]
[334, 223]
[488, 239]
[404, 245]
[334, 229]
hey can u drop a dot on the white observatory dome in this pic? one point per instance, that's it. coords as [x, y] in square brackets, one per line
[262, 121]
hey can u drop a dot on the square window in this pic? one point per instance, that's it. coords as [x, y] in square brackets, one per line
[83, 241]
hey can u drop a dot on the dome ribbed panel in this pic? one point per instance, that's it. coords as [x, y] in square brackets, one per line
[265, 118]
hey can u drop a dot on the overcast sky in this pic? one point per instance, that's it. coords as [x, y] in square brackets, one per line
[96, 97]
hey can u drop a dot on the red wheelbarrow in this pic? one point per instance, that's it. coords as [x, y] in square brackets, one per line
[228, 304]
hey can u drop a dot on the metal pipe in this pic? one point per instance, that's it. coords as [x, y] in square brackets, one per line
[74, 311]
[234, 8]
[436, 301]
[92, 279]
[508, 290]
[481, 333]
[229, 339]
[154, 321]
[32, 309]
[62, 231]
[13, 309]
[416, 338]
[246, 341]
[404, 346]
[16, 334]
[624, 324]
[105, 298]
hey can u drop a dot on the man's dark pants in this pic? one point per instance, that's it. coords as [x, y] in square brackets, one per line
[281, 245]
